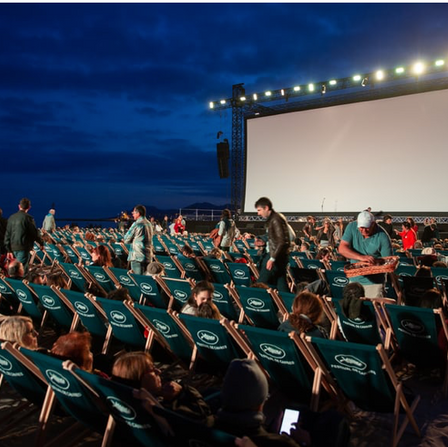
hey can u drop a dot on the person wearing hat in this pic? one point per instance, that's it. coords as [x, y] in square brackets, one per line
[365, 241]
[243, 394]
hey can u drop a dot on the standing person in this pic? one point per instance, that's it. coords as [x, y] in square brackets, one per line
[273, 271]
[21, 232]
[364, 240]
[3, 223]
[408, 236]
[49, 224]
[388, 226]
[140, 236]
[226, 230]
[165, 224]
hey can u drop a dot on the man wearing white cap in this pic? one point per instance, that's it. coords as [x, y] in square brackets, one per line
[365, 241]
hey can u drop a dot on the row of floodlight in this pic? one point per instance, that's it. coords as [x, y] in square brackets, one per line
[416, 69]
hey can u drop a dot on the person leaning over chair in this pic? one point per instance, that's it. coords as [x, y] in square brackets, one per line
[365, 241]
[140, 237]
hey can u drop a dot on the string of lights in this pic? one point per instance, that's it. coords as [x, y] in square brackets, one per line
[359, 80]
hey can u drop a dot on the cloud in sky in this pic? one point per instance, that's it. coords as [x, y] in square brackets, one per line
[105, 105]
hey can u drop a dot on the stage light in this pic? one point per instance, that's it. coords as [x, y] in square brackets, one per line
[243, 98]
[323, 89]
[357, 78]
[311, 87]
[255, 96]
[418, 68]
[399, 70]
[212, 105]
[282, 92]
[440, 63]
[223, 101]
[379, 75]
[333, 82]
[297, 88]
[268, 93]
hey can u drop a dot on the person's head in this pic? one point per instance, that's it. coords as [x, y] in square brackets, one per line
[406, 226]
[423, 270]
[387, 219]
[120, 294]
[187, 251]
[25, 204]
[366, 223]
[52, 211]
[35, 276]
[19, 329]
[57, 279]
[209, 310]
[155, 268]
[310, 219]
[215, 253]
[226, 214]
[440, 264]
[411, 221]
[138, 211]
[15, 269]
[245, 386]
[324, 254]
[75, 346]
[307, 311]
[264, 207]
[137, 369]
[305, 246]
[201, 293]
[101, 256]
[353, 290]
[431, 299]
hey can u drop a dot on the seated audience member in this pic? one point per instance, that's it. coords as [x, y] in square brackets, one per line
[187, 251]
[214, 253]
[324, 256]
[423, 270]
[351, 304]
[155, 268]
[431, 299]
[16, 270]
[19, 329]
[209, 310]
[306, 316]
[243, 395]
[75, 346]
[101, 256]
[137, 369]
[201, 293]
[56, 279]
[36, 276]
[440, 264]
[428, 257]
[120, 294]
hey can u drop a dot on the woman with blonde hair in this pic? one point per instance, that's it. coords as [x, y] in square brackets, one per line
[19, 329]
[306, 316]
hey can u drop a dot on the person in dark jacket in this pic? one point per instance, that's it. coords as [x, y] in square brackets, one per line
[273, 272]
[3, 223]
[21, 233]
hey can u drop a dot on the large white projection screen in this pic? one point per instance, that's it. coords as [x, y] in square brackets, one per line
[390, 154]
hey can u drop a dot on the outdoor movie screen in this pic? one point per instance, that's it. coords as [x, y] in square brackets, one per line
[390, 154]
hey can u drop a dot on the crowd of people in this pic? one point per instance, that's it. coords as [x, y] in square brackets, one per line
[245, 389]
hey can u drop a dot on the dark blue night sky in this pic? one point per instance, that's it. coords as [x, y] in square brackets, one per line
[106, 105]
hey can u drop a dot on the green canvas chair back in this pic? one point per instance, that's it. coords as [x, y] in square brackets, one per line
[166, 327]
[363, 330]
[288, 299]
[197, 434]
[416, 331]
[224, 302]
[101, 277]
[191, 268]
[84, 254]
[212, 340]
[280, 357]
[124, 325]
[158, 246]
[69, 392]
[300, 274]
[149, 290]
[20, 377]
[218, 270]
[414, 288]
[88, 314]
[440, 274]
[405, 269]
[127, 282]
[240, 273]
[311, 263]
[173, 249]
[337, 280]
[71, 254]
[259, 307]
[26, 298]
[53, 305]
[7, 292]
[180, 290]
[338, 265]
[358, 371]
[41, 255]
[75, 275]
[171, 270]
[53, 252]
[134, 424]
[253, 254]
[240, 245]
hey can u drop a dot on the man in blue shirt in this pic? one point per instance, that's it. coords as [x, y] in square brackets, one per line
[366, 241]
